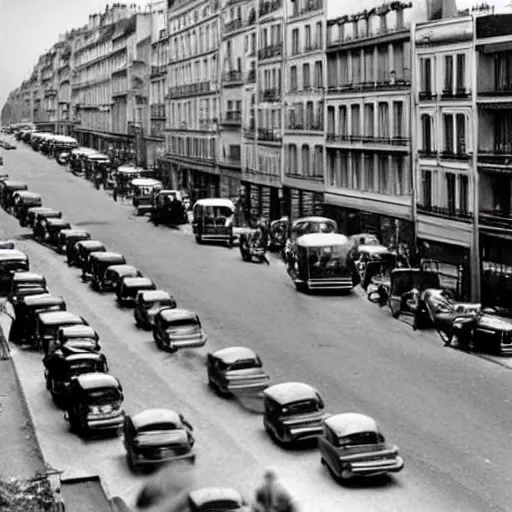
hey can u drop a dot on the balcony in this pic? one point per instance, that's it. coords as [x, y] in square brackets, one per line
[384, 85]
[307, 126]
[232, 162]
[232, 78]
[492, 218]
[311, 6]
[269, 7]
[157, 111]
[365, 142]
[270, 95]
[497, 91]
[458, 94]
[269, 135]
[427, 96]
[270, 52]
[158, 71]
[251, 77]
[428, 153]
[50, 92]
[233, 25]
[307, 90]
[249, 132]
[445, 212]
[496, 158]
[190, 89]
[451, 155]
[233, 118]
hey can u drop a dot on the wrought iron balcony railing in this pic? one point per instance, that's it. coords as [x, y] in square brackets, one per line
[270, 94]
[269, 7]
[269, 134]
[445, 212]
[157, 111]
[233, 25]
[232, 77]
[270, 52]
[158, 70]
[233, 117]
[189, 89]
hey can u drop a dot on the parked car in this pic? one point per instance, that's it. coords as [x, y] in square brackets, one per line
[7, 190]
[213, 220]
[157, 436]
[293, 412]
[236, 370]
[36, 215]
[24, 200]
[78, 337]
[143, 190]
[130, 287]
[11, 261]
[95, 404]
[68, 240]
[7, 244]
[352, 445]
[48, 324]
[368, 260]
[168, 207]
[21, 281]
[148, 303]
[178, 328]
[82, 250]
[49, 231]
[116, 273]
[24, 291]
[100, 262]
[61, 366]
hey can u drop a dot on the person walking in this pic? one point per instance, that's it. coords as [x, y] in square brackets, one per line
[271, 496]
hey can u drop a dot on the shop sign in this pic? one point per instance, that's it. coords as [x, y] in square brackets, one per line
[497, 268]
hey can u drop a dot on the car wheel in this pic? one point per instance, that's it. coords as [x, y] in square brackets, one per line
[131, 462]
[199, 239]
[172, 349]
[157, 339]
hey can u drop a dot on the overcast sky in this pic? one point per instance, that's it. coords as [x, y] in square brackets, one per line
[30, 27]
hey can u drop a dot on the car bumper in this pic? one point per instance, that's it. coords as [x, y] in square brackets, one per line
[374, 468]
[143, 461]
[299, 433]
[105, 423]
[186, 342]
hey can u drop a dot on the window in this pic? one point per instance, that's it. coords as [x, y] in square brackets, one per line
[319, 35]
[318, 163]
[309, 115]
[356, 120]
[356, 171]
[426, 189]
[383, 63]
[463, 193]
[292, 159]
[398, 119]
[356, 68]
[293, 79]
[451, 191]
[461, 73]
[307, 36]
[369, 113]
[295, 41]
[331, 120]
[343, 169]
[369, 175]
[503, 72]
[460, 120]
[448, 75]
[384, 120]
[383, 174]
[426, 76]
[399, 19]
[319, 78]
[305, 160]
[342, 120]
[426, 132]
[383, 24]
[306, 76]
[448, 133]
[401, 181]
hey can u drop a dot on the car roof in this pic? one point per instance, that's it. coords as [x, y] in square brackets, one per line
[14, 183]
[137, 281]
[174, 314]
[313, 218]
[321, 240]
[80, 356]
[128, 169]
[123, 268]
[374, 249]
[155, 295]
[57, 317]
[233, 354]
[97, 380]
[28, 194]
[145, 182]
[215, 202]
[350, 423]
[46, 209]
[44, 299]
[202, 497]
[152, 416]
[78, 330]
[12, 254]
[29, 276]
[105, 256]
[97, 156]
[82, 150]
[58, 222]
[288, 392]
[75, 232]
[91, 243]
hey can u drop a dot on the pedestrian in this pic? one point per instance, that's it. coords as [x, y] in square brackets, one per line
[272, 496]
[114, 193]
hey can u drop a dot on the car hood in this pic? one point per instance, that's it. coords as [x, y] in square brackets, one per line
[495, 322]
[173, 437]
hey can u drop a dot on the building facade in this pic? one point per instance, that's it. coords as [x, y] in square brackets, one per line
[193, 97]
[304, 100]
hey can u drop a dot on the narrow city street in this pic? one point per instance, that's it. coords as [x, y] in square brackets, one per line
[449, 412]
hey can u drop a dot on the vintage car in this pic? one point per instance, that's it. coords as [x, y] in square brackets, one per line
[95, 403]
[213, 220]
[35, 215]
[319, 262]
[50, 231]
[26, 313]
[7, 190]
[353, 446]
[23, 281]
[157, 436]
[253, 245]
[306, 226]
[11, 260]
[99, 263]
[116, 273]
[293, 412]
[235, 371]
[78, 337]
[168, 207]
[77, 161]
[178, 328]
[215, 499]
[23, 200]
[63, 365]
[143, 189]
[148, 303]
[81, 251]
[48, 325]
[370, 260]
[68, 239]
[94, 162]
[278, 234]
[129, 287]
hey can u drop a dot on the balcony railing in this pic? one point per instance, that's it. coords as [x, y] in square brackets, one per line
[233, 25]
[50, 92]
[232, 161]
[249, 132]
[496, 157]
[189, 89]
[158, 70]
[445, 212]
[308, 89]
[427, 96]
[495, 219]
[270, 94]
[305, 126]
[270, 135]
[311, 5]
[232, 77]
[251, 76]
[270, 52]
[459, 94]
[500, 90]
[269, 7]
[451, 155]
[233, 117]
[157, 111]
[427, 153]
[384, 85]
[368, 139]
[350, 39]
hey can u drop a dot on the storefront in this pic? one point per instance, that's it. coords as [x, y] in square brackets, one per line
[230, 181]
[106, 142]
[302, 203]
[261, 200]
[155, 149]
[46, 127]
[496, 269]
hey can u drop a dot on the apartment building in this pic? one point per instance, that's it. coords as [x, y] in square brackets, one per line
[155, 135]
[304, 100]
[63, 79]
[368, 178]
[444, 160]
[238, 21]
[45, 98]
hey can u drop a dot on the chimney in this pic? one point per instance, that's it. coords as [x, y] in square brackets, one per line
[440, 9]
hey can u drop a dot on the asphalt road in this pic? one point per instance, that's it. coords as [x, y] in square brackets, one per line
[449, 412]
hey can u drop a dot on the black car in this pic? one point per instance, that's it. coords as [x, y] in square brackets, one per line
[130, 287]
[38, 214]
[78, 337]
[23, 281]
[11, 261]
[168, 208]
[82, 250]
[148, 303]
[23, 201]
[116, 273]
[48, 325]
[99, 263]
[69, 239]
[7, 190]
[49, 231]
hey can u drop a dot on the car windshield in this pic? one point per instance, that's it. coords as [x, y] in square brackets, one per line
[182, 324]
[217, 506]
[217, 211]
[304, 228]
[246, 364]
[158, 428]
[103, 395]
[159, 304]
[360, 439]
[302, 407]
